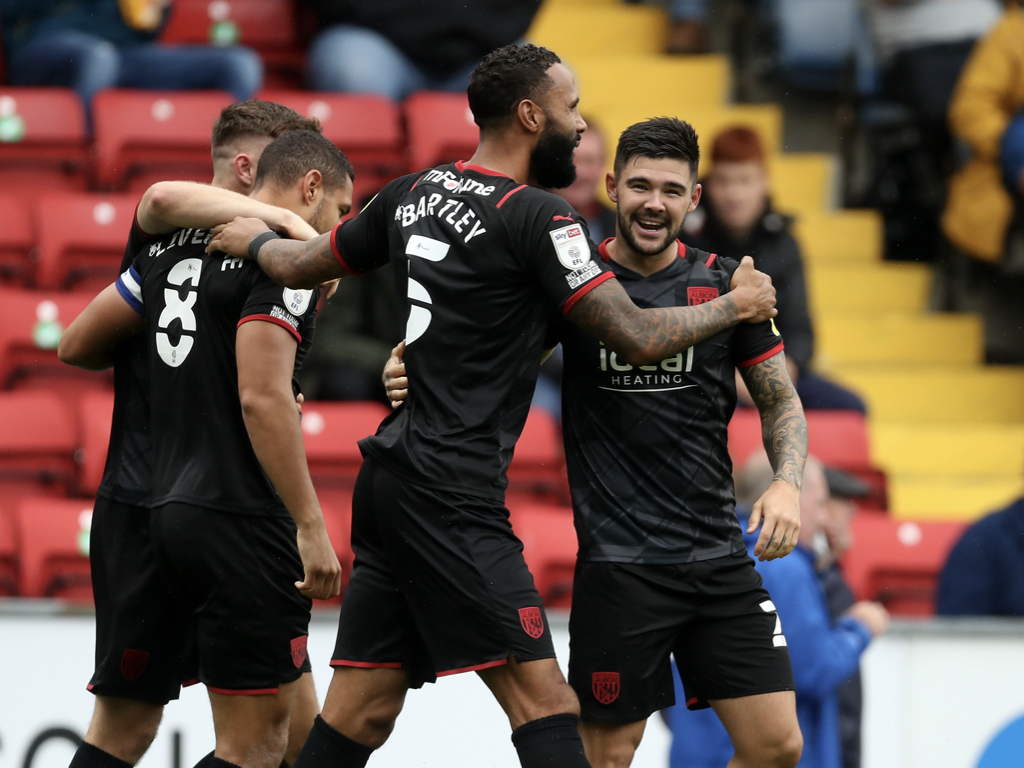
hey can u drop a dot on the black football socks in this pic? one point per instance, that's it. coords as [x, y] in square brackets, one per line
[329, 748]
[88, 756]
[550, 742]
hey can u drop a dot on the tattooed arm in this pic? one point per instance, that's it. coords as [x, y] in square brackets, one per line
[784, 431]
[297, 264]
[645, 336]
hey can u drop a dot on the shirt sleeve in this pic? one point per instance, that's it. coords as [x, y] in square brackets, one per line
[559, 254]
[750, 343]
[293, 310]
[129, 283]
[361, 244]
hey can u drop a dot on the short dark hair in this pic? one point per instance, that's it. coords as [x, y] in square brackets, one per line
[504, 78]
[258, 118]
[659, 137]
[290, 157]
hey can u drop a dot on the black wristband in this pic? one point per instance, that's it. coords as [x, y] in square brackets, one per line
[257, 242]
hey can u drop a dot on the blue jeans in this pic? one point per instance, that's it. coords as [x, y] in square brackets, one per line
[88, 64]
[688, 10]
[358, 60]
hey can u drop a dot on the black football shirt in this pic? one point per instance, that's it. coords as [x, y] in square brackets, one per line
[481, 261]
[645, 446]
[194, 303]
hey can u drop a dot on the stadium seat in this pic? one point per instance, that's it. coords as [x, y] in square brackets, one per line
[52, 538]
[330, 432]
[549, 546]
[8, 555]
[33, 321]
[898, 562]
[337, 507]
[440, 128]
[538, 465]
[82, 238]
[143, 136]
[367, 128]
[42, 140]
[95, 412]
[17, 239]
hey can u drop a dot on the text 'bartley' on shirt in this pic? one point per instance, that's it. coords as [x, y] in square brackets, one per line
[454, 212]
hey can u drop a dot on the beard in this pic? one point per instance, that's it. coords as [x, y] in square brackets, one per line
[316, 221]
[626, 230]
[551, 164]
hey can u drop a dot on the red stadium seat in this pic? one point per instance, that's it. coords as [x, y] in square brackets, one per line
[441, 128]
[154, 134]
[538, 465]
[337, 507]
[82, 238]
[95, 414]
[42, 140]
[330, 432]
[17, 239]
[897, 562]
[8, 555]
[52, 539]
[549, 546]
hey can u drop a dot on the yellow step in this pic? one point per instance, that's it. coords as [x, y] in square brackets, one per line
[577, 33]
[617, 82]
[948, 450]
[898, 337]
[867, 287]
[967, 499]
[843, 235]
[938, 394]
[801, 181]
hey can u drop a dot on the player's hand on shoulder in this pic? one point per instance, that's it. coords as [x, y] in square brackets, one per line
[396, 383]
[233, 238]
[778, 514]
[872, 615]
[320, 566]
[753, 292]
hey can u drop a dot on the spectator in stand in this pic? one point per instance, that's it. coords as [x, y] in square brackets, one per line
[984, 575]
[395, 47]
[824, 652]
[688, 30]
[735, 218]
[983, 219]
[89, 45]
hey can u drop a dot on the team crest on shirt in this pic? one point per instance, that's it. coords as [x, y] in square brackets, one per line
[605, 686]
[297, 302]
[532, 621]
[133, 663]
[299, 650]
[571, 246]
[700, 294]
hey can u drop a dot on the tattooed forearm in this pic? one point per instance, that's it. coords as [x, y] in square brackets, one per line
[783, 427]
[300, 264]
[645, 336]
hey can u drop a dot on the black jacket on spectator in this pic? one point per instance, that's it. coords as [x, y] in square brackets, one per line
[776, 253]
[441, 35]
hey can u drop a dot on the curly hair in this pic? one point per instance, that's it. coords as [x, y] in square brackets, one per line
[506, 77]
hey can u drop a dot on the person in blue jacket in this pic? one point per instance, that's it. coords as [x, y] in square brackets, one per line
[984, 575]
[824, 653]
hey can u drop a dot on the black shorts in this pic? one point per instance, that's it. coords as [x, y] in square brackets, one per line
[144, 641]
[714, 616]
[235, 577]
[439, 584]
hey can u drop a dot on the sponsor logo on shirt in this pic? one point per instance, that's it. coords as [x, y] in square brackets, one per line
[571, 246]
[457, 184]
[289, 318]
[580, 276]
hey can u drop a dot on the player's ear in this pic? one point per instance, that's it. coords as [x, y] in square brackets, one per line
[531, 116]
[312, 185]
[611, 187]
[694, 197]
[245, 169]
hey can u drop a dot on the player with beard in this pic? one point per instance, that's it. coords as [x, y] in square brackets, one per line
[440, 585]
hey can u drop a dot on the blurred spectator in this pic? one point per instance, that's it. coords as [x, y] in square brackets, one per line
[983, 214]
[89, 45]
[825, 652]
[395, 47]
[688, 30]
[984, 575]
[735, 218]
[591, 163]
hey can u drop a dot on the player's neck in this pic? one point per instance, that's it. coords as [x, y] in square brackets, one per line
[504, 157]
[229, 182]
[641, 263]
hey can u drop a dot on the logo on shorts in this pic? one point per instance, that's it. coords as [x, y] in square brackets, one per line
[698, 295]
[605, 686]
[133, 664]
[299, 650]
[532, 621]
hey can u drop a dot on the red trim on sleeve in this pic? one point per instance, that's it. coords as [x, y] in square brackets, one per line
[138, 228]
[569, 303]
[603, 249]
[271, 319]
[761, 358]
[337, 253]
[711, 259]
[248, 692]
[366, 664]
[464, 166]
[474, 668]
[509, 194]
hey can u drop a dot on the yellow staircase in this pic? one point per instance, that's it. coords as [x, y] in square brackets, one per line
[948, 430]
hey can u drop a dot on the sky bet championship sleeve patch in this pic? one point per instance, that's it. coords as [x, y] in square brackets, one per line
[571, 246]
